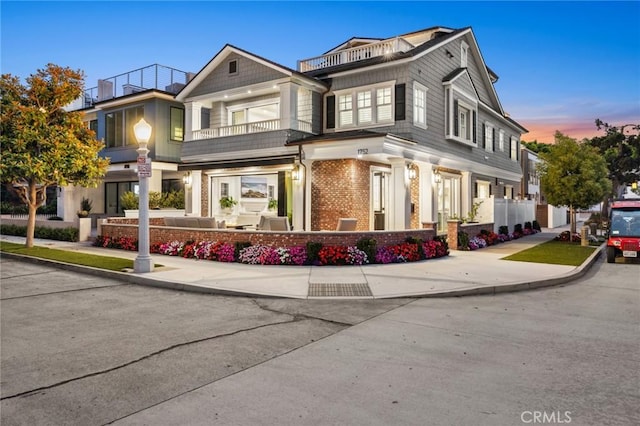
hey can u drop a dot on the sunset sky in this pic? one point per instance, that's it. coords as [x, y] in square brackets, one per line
[561, 65]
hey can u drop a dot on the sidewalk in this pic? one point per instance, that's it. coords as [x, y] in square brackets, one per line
[461, 273]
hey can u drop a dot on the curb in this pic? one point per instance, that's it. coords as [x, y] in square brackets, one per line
[578, 272]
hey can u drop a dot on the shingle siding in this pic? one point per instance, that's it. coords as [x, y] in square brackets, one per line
[206, 147]
[249, 72]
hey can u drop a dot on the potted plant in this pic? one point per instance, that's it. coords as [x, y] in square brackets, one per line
[273, 204]
[129, 201]
[227, 203]
[85, 207]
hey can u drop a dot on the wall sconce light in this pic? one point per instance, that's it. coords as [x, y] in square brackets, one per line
[411, 171]
[186, 179]
[449, 54]
[437, 176]
[296, 173]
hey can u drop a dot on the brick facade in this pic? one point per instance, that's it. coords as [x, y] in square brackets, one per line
[340, 188]
[414, 186]
[118, 227]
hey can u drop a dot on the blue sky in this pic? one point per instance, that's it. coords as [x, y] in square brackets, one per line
[561, 64]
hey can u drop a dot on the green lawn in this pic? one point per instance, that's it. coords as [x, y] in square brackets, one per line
[555, 252]
[102, 262]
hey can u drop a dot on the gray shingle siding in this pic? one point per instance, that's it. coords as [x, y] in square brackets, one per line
[249, 72]
[205, 147]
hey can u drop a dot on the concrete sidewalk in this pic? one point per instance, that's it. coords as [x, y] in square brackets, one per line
[461, 273]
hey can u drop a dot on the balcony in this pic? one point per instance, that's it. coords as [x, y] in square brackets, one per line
[158, 77]
[354, 54]
[247, 128]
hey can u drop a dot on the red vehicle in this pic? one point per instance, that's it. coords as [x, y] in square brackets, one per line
[624, 230]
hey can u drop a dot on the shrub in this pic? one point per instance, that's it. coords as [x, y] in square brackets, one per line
[155, 200]
[368, 246]
[517, 229]
[58, 234]
[129, 201]
[536, 225]
[527, 225]
[463, 240]
[313, 249]
[55, 218]
[239, 246]
[503, 230]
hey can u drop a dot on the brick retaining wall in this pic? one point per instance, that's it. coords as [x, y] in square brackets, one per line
[116, 228]
[454, 226]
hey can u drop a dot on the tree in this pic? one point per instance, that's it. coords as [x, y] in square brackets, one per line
[537, 147]
[42, 144]
[621, 151]
[573, 175]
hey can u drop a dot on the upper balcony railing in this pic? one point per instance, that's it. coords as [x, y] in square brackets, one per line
[354, 54]
[247, 128]
[155, 76]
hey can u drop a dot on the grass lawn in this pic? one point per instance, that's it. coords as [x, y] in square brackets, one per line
[555, 252]
[102, 262]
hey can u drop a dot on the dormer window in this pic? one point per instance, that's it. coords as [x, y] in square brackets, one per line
[233, 67]
[464, 48]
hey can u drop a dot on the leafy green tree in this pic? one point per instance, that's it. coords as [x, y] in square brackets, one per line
[42, 143]
[620, 147]
[537, 147]
[573, 175]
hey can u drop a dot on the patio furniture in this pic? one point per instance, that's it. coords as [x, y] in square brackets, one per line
[280, 223]
[347, 224]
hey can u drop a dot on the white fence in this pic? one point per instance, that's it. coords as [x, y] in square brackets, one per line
[507, 212]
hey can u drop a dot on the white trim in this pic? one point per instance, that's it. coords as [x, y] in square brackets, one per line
[353, 93]
[488, 145]
[419, 87]
[464, 54]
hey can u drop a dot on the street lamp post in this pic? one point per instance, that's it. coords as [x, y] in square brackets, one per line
[143, 262]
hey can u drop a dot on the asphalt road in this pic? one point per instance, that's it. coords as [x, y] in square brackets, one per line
[82, 350]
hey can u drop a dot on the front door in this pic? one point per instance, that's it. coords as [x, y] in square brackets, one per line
[379, 199]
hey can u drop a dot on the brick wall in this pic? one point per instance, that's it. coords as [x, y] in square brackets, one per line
[340, 188]
[415, 199]
[453, 227]
[204, 195]
[127, 228]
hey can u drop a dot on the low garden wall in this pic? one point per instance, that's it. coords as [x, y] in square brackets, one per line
[121, 227]
[454, 226]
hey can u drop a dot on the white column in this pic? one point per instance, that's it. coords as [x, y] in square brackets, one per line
[196, 193]
[307, 190]
[466, 192]
[427, 194]
[192, 119]
[288, 105]
[400, 209]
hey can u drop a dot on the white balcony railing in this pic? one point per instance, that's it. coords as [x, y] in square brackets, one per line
[354, 54]
[247, 128]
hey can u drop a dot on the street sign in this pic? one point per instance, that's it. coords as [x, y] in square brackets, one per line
[144, 167]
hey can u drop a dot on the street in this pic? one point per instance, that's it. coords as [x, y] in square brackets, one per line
[82, 350]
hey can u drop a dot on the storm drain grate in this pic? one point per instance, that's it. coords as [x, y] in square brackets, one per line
[339, 290]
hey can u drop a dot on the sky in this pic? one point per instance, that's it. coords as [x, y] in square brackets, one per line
[561, 65]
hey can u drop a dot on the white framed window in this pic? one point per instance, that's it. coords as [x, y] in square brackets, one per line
[508, 192]
[419, 105]
[461, 113]
[501, 140]
[464, 121]
[514, 149]
[464, 49]
[364, 107]
[383, 104]
[484, 189]
[488, 137]
[345, 110]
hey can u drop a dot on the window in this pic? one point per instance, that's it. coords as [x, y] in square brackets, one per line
[461, 115]
[463, 122]
[224, 189]
[489, 137]
[508, 192]
[176, 130]
[464, 49]
[483, 189]
[419, 105]
[132, 116]
[364, 107]
[501, 140]
[345, 110]
[114, 129]
[233, 67]
[514, 149]
[384, 104]
[93, 125]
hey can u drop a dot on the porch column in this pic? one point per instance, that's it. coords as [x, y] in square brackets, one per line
[466, 192]
[427, 196]
[288, 105]
[400, 209]
[307, 189]
[195, 191]
[191, 119]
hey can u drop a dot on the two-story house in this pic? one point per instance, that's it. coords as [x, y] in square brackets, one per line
[395, 132]
[111, 109]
